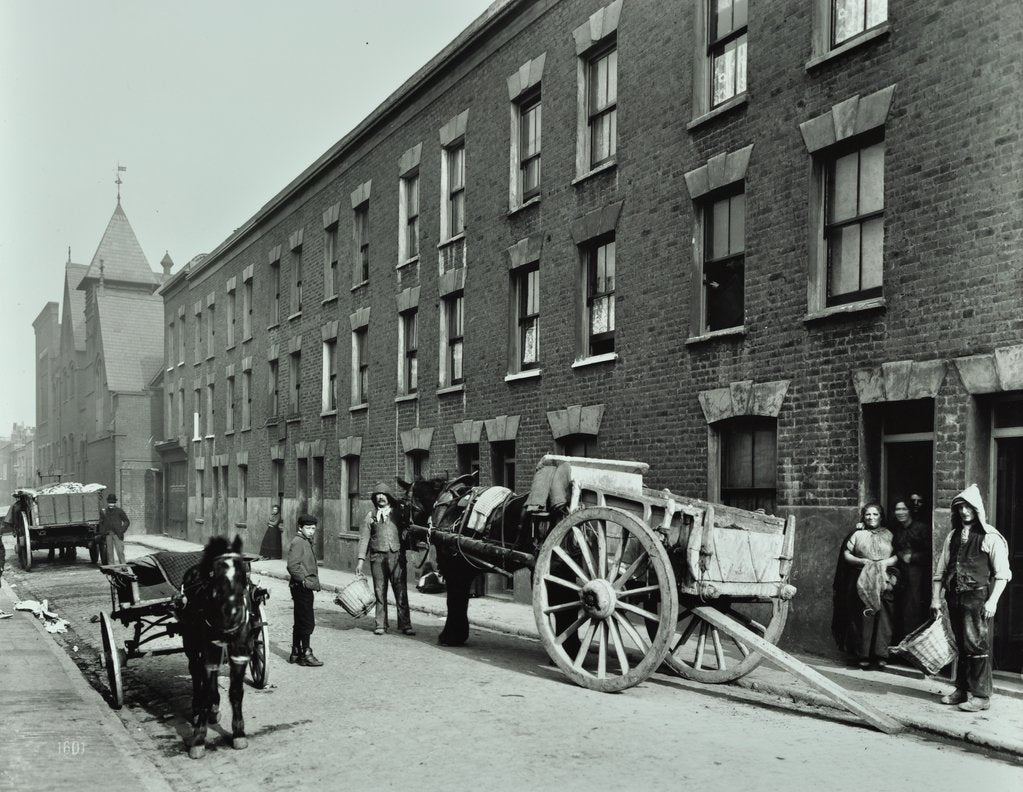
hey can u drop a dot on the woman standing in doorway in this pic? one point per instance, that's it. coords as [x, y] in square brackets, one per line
[912, 545]
[862, 623]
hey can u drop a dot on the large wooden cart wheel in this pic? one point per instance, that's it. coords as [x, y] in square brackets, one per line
[112, 661]
[260, 643]
[700, 651]
[24, 541]
[585, 598]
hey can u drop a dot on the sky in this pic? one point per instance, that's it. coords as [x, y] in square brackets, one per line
[212, 107]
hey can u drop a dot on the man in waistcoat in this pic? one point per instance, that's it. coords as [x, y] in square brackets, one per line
[382, 537]
[112, 526]
[971, 572]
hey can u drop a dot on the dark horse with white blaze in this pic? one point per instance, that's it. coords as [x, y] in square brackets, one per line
[214, 615]
[445, 505]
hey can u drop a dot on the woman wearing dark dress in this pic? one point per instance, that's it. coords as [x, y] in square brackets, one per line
[912, 546]
[864, 590]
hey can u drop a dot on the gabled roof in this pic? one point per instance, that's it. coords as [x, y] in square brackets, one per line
[74, 304]
[121, 254]
[131, 337]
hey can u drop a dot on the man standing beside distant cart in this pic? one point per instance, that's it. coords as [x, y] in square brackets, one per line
[112, 525]
[382, 538]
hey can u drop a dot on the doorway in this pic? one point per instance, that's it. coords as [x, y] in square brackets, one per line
[1007, 516]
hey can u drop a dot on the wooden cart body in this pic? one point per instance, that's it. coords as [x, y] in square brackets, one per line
[145, 598]
[57, 520]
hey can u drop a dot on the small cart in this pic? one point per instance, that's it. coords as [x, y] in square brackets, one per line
[145, 593]
[62, 516]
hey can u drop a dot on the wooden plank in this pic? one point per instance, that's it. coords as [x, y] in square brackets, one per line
[879, 720]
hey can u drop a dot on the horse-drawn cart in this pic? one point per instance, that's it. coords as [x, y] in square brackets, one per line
[627, 578]
[62, 516]
[146, 593]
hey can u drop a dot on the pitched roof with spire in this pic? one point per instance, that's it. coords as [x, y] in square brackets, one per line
[121, 256]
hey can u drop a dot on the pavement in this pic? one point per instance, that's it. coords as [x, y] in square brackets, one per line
[64, 731]
[86, 720]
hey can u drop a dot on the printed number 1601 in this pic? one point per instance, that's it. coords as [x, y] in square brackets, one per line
[71, 748]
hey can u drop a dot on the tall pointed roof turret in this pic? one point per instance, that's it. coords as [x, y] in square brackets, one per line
[122, 256]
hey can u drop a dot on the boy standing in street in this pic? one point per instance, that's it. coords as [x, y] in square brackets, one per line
[971, 572]
[304, 581]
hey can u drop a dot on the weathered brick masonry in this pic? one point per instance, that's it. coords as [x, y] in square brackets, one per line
[951, 273]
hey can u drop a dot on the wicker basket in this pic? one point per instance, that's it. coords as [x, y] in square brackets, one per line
[931, 646]
[356, 598]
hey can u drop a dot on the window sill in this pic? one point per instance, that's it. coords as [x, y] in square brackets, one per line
[359, 285]
[197, 363]
[358, 407]
[523, 375]
[274, 326]
[736, 101]
[293, 419]
[294, 316]
[409, 263]
[713, 335]
[181, 363]
[451, 389]
[447, 242]
[200, 520]
[272, 420]
[607, 357]
[210, 357]
[881, 31]
[351, 535]
[406, 398]
[196, 439]
[328, 413]
[229, 433]
[595, 171]
[534, 201]
[211, 437]
[229, 347]
[328, 300]
[874, 304]
[170, 370]
[246, 340]
[241, 525]
[246, 429]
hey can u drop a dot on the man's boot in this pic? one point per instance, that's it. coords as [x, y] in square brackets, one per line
[296, 654]
[309, 659]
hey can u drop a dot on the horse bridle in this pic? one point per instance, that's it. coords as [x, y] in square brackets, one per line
[244, 610]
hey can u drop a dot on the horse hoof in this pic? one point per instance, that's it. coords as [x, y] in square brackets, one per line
[213, 717]
[197, 752]
[238, 743]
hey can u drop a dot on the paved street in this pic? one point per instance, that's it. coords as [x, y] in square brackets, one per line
[397, 712]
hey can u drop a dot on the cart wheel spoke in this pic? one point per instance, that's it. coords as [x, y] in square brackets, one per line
[567, 560]
[632, 632]
[562, 582]
[561, 607]
[584, 646]
[562, 636]
[584, 548]
[601, 531]
[641, 560]
[616, 639]
[648, 615]
[719, 652]
[602, 650]
[701, 644]
[637, 591]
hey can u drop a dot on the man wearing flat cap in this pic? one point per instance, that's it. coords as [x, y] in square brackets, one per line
[112, 525]
[304, 581]
[382, 538]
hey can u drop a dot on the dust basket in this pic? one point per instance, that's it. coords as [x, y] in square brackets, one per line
[356, 598]
[931, 646]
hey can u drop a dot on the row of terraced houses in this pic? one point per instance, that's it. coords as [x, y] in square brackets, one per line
[770, 248]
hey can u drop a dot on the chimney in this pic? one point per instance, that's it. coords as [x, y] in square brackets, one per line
[167, 263]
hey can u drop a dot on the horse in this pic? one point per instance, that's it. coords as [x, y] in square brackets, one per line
[443, 505]
[214, 614]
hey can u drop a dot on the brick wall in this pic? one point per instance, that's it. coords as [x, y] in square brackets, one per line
[952, 281]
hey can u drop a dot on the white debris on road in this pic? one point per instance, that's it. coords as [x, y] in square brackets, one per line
[41, 610]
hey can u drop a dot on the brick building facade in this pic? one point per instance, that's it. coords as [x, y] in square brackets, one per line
[772, 251]
[95, 357]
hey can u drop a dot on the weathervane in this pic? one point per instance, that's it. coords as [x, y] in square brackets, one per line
[120, 169]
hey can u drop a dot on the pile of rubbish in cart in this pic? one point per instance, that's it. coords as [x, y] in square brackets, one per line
[63, 488]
